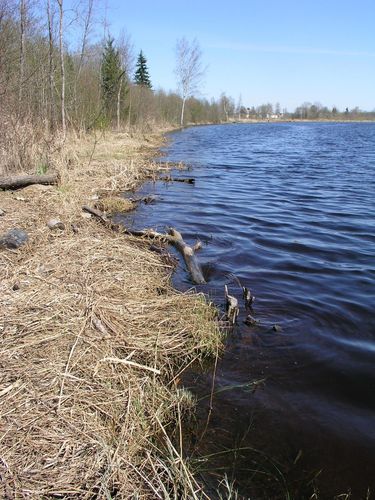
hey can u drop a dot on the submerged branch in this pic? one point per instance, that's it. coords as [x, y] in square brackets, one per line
[173, 237]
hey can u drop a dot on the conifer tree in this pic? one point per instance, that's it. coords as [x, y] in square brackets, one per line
[141, 76]
[111, 73]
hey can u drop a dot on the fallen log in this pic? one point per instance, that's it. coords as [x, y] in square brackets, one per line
[187, 180]
[21, 181]
[189, 256]
[173, 237]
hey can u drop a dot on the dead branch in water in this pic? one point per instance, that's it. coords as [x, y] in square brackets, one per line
[232, 308]
[247, 296]
[187, 180]
[144, 199]
[173, 237]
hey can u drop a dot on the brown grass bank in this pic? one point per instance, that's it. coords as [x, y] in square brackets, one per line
[92, 341]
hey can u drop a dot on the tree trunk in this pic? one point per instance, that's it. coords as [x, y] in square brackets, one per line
[130, 109]
[51, 68]
[62, 66]
[182, 112]
[118, 104]
[22, 50]
[85, 35]
[17, 182]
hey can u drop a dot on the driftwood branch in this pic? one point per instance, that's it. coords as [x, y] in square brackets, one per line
[173, 238]
[129, 363]
[145, 199]
[232, 308]
[247, 296]
[21, 181]
[189, 256]
[188, 180]
[198, 246]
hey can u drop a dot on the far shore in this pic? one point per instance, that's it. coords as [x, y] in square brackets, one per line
[250, 121]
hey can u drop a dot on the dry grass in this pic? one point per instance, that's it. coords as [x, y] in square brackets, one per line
[114, 204]
[26, 146]
[93, 338]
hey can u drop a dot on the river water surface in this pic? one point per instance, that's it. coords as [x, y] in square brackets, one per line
[289, 209]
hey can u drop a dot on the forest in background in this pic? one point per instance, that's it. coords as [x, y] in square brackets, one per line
[61, 70]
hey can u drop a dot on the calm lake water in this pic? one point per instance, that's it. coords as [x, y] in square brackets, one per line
[289, 209]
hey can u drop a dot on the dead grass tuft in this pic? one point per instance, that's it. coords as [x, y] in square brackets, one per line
[114, 204]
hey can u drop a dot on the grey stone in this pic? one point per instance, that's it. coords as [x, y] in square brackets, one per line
[13, 238]
[55, 224]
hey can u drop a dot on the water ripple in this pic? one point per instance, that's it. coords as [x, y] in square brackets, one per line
[289, 209]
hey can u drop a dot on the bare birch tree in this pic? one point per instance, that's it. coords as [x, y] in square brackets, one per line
[86, 31]
[189, 70]
[51, 67]
[62, 64]
[126, 53]
[22, 49]
[84, 20]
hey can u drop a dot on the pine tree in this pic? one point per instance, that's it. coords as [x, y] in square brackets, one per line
[111, 73]
[141, 76]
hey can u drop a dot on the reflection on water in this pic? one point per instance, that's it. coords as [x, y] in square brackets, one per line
[289, 209]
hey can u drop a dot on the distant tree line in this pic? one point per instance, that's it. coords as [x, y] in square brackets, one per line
[306, 111]
[58, 73]
[61, 70]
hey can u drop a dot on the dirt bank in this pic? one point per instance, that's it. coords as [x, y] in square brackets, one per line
[92, 340]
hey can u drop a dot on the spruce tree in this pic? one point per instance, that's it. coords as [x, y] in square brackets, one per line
[141, 76]
[111, 72]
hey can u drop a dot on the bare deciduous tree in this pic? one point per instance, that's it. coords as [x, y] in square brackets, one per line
[62, 65]
[22, 7]
[87, 16]
[50, 67]
[227, 105]
[126, 53]
[189, 70]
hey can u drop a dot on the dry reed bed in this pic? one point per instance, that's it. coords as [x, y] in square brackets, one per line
[92, 341]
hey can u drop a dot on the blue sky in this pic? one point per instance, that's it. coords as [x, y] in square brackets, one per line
[285, 51]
